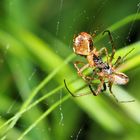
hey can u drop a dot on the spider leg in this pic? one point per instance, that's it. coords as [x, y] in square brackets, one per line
[110, 89]
[120, 60]
[104, 87]
[117, 61]
[99, 89]
[112, 44]
[94, 74]
[80, 70]
[74, 95]
[87, 81]
[104, 50]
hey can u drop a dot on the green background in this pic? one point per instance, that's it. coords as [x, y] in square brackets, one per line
[36, 55]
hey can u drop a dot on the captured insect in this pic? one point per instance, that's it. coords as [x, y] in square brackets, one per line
[105, 72]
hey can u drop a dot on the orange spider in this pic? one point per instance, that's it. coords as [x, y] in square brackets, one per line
[104, 71]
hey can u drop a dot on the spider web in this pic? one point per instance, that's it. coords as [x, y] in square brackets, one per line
[133, 22]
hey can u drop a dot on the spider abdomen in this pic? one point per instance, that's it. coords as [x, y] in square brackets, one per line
[121, 79]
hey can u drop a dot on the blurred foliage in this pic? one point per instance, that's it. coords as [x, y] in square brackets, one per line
[36, 56]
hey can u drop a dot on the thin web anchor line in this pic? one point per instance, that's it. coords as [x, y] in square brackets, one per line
[132, 24]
